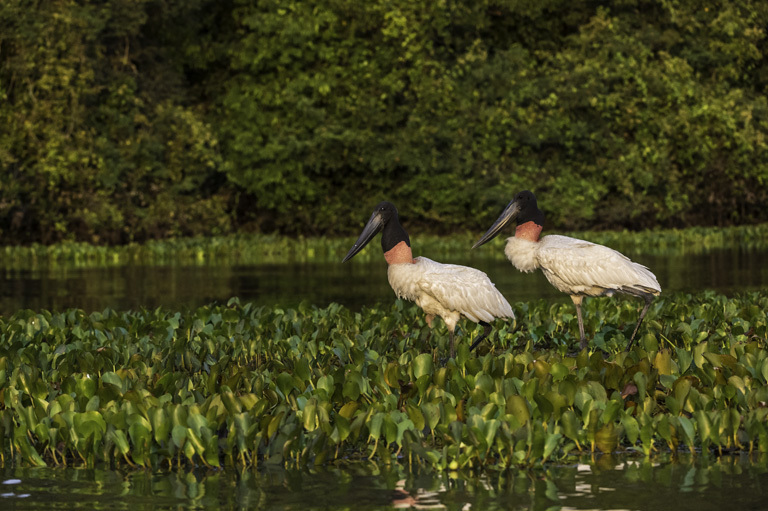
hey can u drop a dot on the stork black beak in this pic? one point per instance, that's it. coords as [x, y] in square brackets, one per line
[371, 229]
[509, 214]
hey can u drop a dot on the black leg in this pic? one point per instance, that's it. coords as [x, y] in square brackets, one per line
[648, 299]
[486, 331]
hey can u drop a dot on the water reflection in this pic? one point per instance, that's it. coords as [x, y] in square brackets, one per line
[607, 483]
[731, 482]
[353, 284]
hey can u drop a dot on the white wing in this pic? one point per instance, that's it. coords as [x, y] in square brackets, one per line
[463, 289]
[579, 267]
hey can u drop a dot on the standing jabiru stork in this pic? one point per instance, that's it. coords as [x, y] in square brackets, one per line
[446, 290]
[576, 267]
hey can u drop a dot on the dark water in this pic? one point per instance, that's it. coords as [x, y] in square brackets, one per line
[605, 483]
[355, 283]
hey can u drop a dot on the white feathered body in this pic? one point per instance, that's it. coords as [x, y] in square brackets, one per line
[581, 268]
[449, 291]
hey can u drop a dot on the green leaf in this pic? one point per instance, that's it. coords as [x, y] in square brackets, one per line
[285, 383]
[642, 382]
[553, 440]
[698, 354]
[374, 426]
[85, 387]
[606, 438]
[348, 410]
[764, 370]
[416, 417]
[352, 387]
[673, 405]
[422, 366]
[195, 441]
[431, 414]
[631, 428]
[161, 426]
[559, 372]
[326, 383]
[89, 423]
[301, 369]
[341, 429]
[179, 435]
[704, 426]
[687, 427]
[310, 415]
[113, 379]
[139, 433]
[518, 407]
[212, 451]
[569, 423]
[684, 359]
[663, 362]
[121, 442]
[681, 389]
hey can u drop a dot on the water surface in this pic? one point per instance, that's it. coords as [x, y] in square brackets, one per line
[611, 482]
[354, 284]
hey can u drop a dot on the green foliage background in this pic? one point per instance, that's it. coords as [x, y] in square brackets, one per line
[130, 120]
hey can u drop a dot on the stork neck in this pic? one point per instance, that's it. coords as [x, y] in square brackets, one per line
[528, 231]
[393, 235]
[399, 254]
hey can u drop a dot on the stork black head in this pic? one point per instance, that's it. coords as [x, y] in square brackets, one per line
[522, 208]
[385, 219]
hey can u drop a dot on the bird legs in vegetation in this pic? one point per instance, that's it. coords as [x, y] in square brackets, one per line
[648, 299]
[453, 349]
[451, 336]
[478, 340]
[486, 331]
[427, 341]
[584, 343]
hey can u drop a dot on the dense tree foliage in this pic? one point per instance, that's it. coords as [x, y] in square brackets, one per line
[125, 120]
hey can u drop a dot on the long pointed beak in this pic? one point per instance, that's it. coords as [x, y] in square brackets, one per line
[371, 229]
[509, 214]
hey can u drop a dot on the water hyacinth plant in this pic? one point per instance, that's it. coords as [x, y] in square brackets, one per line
[240, 385]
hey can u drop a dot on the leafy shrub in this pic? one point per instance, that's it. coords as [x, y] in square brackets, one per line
[241, 385]
[129, 122]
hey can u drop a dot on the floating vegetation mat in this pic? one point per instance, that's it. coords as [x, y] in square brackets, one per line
[235, 384]
[262, 249]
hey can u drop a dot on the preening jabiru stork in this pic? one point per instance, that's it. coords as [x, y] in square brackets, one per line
[446, 290]
[576, 267]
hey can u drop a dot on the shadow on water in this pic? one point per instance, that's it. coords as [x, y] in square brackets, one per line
[353, 284]
[605, 483]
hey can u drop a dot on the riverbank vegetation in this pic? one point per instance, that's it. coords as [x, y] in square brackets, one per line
[260, 249]
[238, 385]
[128, 121]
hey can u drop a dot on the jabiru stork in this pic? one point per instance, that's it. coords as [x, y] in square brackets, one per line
[576, 267]
[446, 290]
